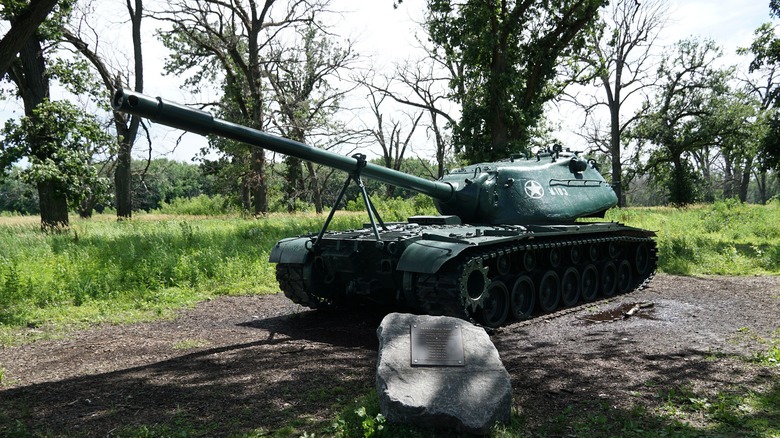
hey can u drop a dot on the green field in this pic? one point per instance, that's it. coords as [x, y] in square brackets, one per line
[108, 271]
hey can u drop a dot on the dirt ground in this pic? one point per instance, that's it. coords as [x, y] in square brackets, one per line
[238, 364]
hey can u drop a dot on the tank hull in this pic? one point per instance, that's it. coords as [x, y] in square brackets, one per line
[488, 273]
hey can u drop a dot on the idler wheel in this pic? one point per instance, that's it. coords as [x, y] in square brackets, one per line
[624, 277]
[549, 292]
[523, 298]
[495, 305]
[570, 287]
[590, 283]
[608, 279]
[642, 259]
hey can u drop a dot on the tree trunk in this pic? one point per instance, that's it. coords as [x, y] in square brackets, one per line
[23, 28]
[728, 176]
[316, 190]
[30, 76]
[123, 181]
[259, 183]
[246, 193]
[761, 183]
[745, 180]
[123, 172]
[614, 146]
[54, 208]
[294, 177]
[86, 207]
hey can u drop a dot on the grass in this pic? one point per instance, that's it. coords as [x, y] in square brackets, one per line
[725, 238]
[105, 271]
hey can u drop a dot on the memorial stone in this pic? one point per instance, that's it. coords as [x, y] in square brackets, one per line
[440, 372]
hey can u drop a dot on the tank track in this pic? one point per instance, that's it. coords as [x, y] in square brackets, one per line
[290, 278]
[443, 293]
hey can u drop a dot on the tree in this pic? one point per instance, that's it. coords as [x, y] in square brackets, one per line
[24, 24]
[422, 88]
[678, 121]
[213, 40]
[306, 98]
[28, 72]
[618, 61]
[765, 50]
[59, 140]
[506, 53]
[18, 196]
[165, 180]
[389, 135]
[126, 126]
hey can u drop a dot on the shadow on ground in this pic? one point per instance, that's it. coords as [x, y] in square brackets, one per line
[305, 368]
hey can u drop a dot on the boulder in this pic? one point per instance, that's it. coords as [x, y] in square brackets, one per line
[469, 398]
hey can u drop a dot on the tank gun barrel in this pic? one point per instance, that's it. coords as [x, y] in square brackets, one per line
[204, 123]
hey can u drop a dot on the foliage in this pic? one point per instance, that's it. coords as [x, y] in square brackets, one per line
[137, 269]
[201, 205]
[396, 209]
[618, 61]
[17, 196]
[363, 419]
[59, 141]
[162, 181]
[50, 28]
[765, 50]
[503, 57]
[679, 122]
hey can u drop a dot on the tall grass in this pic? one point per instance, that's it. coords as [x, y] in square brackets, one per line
[724, 238]
[114, 271]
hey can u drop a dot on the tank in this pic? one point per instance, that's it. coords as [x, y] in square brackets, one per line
[507, 244]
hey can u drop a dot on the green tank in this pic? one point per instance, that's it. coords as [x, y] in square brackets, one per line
[506, 244]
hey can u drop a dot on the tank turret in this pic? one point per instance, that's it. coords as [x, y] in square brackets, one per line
[507, 242]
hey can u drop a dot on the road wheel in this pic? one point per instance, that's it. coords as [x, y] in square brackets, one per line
[523, 297]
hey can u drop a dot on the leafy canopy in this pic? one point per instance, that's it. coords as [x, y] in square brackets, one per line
[65, 139]
[503, 56]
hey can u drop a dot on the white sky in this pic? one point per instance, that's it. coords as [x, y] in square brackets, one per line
[387, 35]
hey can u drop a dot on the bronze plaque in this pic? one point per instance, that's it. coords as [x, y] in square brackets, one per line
[437, 345]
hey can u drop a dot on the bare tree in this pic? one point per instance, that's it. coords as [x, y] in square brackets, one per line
[126, 126]
[306, 97]
[228, 42]
[619, 61]
[389, 134]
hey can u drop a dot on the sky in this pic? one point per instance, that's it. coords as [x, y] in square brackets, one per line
[387, 35]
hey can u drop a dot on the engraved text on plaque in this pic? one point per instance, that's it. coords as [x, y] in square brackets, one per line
[437, 345]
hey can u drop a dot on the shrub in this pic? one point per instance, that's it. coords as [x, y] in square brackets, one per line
[201, 205]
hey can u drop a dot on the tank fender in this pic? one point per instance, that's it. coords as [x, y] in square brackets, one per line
[291, 250]
[427, 256]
